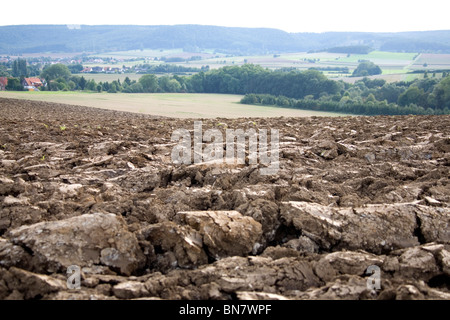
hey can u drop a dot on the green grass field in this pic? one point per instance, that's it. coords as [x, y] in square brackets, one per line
[381, 57]
[176, 105]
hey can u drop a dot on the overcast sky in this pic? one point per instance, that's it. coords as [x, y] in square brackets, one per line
[291, 16]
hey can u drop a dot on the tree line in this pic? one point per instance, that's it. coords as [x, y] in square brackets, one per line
[351, 107]
[372, 97]
[231, 80]
[251, 78]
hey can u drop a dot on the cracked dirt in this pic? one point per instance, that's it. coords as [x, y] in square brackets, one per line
[98, 189]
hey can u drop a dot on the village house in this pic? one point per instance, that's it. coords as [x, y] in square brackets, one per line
[32, 83]
[101, 70]
[111, 70]
[3, 83]
[97, 69]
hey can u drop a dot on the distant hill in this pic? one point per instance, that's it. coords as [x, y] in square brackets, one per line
[104, 38]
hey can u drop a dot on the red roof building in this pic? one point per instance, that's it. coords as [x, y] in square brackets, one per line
[32, 82]
[3, 83]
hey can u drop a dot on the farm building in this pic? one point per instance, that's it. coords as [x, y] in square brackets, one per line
[86, 70]
[3, 83]
[101, 69]
[111, 70]
[32, 83]
[97, 69]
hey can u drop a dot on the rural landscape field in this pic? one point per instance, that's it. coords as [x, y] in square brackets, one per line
[98, 189]
[115, 179]
[168, 104]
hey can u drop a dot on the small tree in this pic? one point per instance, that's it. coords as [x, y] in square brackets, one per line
[91, 85]
[82, 83]
[371, 98]
[72, 85]
[412, 95]
[149, 83]
[441, 92]
[105, 86]
[19, 68]
[366, 68]
[15, 69]
[112, 88]
[22, 64]
[173, 86]
[14, 85]
[56, 71]
[75, 68]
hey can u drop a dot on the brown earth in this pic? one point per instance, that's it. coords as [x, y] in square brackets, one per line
[98, 189]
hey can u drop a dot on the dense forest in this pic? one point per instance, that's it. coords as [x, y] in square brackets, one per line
[62, 38]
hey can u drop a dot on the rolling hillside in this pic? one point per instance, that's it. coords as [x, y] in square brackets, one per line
[104, 38]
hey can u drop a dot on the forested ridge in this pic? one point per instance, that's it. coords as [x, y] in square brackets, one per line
[103, 38]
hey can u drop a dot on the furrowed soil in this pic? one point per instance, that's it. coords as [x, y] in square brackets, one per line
[359, 209]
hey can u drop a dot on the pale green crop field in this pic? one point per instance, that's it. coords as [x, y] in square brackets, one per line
[131, 54]
[432, 61]
[381, 57]
[177, 105]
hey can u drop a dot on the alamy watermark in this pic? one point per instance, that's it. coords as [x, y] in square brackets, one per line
[235, 145]
[74, 277]
[374, 281]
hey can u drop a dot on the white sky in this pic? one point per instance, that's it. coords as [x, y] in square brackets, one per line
[291, 16]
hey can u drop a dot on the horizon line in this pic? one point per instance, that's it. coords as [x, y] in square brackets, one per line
[208, 25]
